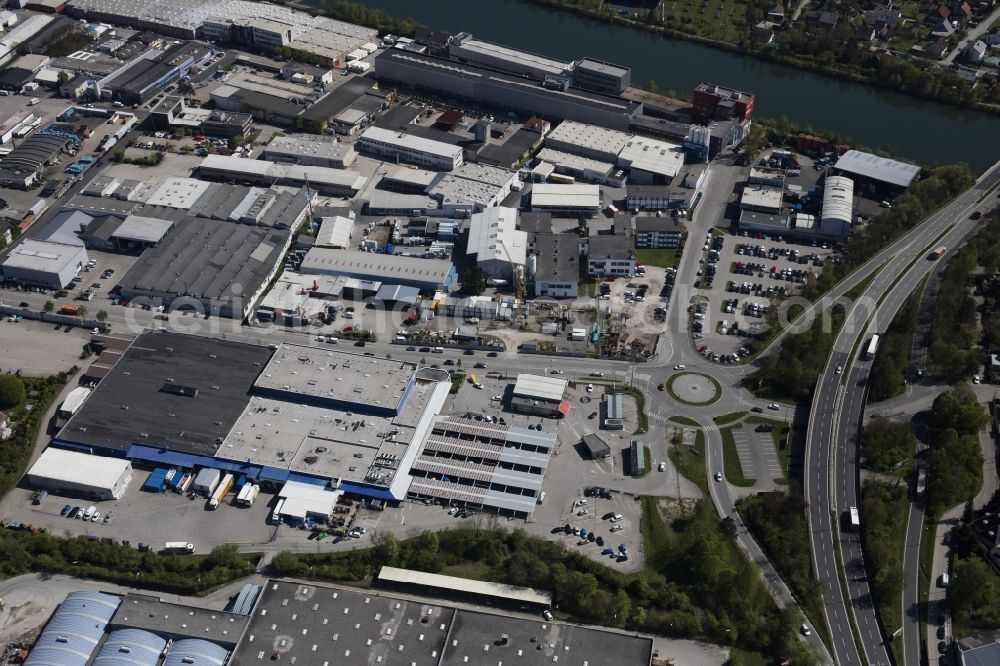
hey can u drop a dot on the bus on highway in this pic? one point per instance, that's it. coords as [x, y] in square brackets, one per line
[853, 519]
[870, 349]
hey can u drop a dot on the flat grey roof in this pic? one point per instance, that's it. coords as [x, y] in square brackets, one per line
[207, 259]
[558, 257]
[611, 246]
[329, 374]
[143, 611]
[326, 626]
[378, 266]
[877, 168]
[139, 402]
[537, 642]
[140, 228]
[38, 255]
[601, 67]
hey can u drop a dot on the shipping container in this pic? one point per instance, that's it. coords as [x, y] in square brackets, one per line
[247, 495]
[220, 492]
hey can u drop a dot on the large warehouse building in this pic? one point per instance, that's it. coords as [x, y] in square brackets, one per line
[877, 173]
[838, 207]
[471, 82]
[89, 476]
[43, 263]
[541, 395]
[424, 274]
[294, 413]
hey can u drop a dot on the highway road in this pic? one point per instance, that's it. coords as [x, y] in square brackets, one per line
[835, 416]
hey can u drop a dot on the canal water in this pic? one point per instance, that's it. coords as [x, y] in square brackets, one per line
[905, 126]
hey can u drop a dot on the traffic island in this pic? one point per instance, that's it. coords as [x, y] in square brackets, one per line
[694, 388]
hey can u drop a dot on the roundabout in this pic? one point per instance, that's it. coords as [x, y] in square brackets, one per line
[694, 388]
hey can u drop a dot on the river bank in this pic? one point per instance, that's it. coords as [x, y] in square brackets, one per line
[928, 132]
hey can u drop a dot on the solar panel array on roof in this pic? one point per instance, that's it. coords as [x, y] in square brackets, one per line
[76, 628]
[131, 647]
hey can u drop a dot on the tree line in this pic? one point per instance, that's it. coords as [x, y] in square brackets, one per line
[884, 512]
[23, 551]
[885, 444]
[696, 584]
[955, 460]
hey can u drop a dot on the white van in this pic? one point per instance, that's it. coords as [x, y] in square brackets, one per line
[944, 580]
[438, 350]
[399, 339]
[541, 497]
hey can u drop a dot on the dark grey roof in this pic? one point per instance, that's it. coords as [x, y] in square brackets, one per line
[342, 622]
[142, 75]
[474, 630]
[558, 257]
[662, 224]
[175, 621]
[611, 246]
[15, 77]
[646, 190]
[535, 223]
[130, 405]
[398, 117]
[339, 99]
[512, 150]
[204, 259]
[595, 445]
[33, 153]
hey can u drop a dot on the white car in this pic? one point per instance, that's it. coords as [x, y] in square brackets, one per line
[498, 398]
[662, 467]
[583, 512]
[617, 527]
[547, 615]
[806, 631]
[718, 476]
[590, 388]
[581, 502]
[977, 379]
[839, 369]
[775, 406]
[680, 366]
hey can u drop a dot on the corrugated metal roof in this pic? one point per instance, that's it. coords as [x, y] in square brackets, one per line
[877, 168]
[196, 652]
[77, 626]
[540, 387]
[131, 647]
[508, 592]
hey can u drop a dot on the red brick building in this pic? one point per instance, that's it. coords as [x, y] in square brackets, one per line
[715, 102]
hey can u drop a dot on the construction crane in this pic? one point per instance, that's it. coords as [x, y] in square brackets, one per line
[517, 270]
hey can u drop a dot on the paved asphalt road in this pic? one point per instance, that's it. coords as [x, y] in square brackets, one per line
[837, 407]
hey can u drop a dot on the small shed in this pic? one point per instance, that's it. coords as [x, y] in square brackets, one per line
[596, 447]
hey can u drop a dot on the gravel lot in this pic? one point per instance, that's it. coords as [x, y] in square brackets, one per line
[37, 348]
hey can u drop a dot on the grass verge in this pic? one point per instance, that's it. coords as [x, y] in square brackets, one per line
[927, 535]
[683, 420]
[690, 461]
[886, 510]
[731, 460]
[729, 418]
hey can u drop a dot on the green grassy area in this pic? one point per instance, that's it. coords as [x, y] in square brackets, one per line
[740, 657]
[729, 418]
[16, 451]
[587, 289]
[683, 420]
[471, 570]
[690, 461]
[457, 380]
[782, 438]
[714, 382]
[664, 258]
[642, 420]
[886, 509]
[731, 459]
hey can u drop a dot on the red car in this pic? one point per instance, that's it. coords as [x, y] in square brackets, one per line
[348, 329]
[701, 350]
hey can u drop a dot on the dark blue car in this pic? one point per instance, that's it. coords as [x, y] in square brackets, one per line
[65, 510]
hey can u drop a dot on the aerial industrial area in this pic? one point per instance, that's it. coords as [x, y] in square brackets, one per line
[284, 297]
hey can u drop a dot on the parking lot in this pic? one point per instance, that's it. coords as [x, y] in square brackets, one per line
[740, 279]
[36, 348]
[758, 458]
